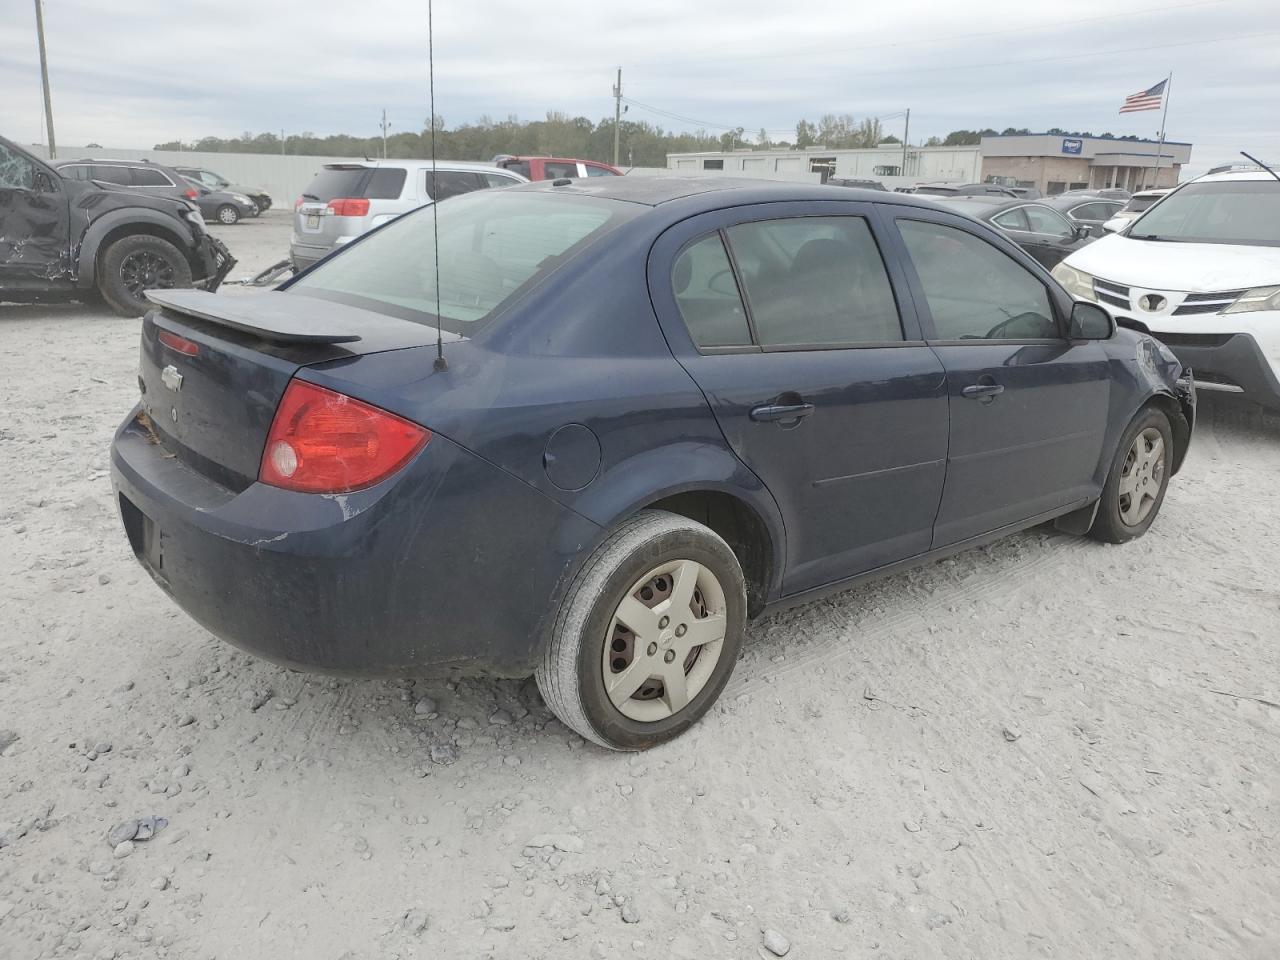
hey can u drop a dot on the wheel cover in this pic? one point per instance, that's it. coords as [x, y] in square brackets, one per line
[228, 215]
[1142, 477]
[144, 270]
[664, 641]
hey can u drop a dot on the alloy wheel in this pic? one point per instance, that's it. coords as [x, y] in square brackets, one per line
[144, 270]
[1142, 477]
[664, 641]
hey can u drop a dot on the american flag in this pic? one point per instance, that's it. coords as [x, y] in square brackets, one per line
[1149, 99]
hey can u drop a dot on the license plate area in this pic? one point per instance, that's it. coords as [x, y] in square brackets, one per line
[313, 221]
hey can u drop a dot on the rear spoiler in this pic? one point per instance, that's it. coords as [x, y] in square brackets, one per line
[293, 319]
[264, 316]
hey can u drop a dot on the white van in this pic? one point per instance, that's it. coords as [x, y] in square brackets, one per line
[1199, 271]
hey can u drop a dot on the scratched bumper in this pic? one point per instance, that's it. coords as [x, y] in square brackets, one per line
[412, 577]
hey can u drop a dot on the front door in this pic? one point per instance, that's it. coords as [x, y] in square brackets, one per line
[33, 213]
[1028, 408]
[786, 317]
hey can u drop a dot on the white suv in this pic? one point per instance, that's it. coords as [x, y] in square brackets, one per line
[1200, 271]
[345, 200]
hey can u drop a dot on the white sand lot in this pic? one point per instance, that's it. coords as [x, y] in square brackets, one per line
[1045, 748]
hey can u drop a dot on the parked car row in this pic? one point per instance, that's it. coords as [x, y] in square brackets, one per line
[217, 198]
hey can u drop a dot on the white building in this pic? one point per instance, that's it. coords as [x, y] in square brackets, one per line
[884, 163]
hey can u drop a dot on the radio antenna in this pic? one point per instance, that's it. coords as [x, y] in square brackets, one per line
[440, 363]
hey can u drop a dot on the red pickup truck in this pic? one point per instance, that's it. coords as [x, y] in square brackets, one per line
[553, 168]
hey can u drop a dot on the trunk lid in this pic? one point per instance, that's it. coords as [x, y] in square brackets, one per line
[211, 394]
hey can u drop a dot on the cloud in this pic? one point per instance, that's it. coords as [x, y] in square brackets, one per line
[136, 72]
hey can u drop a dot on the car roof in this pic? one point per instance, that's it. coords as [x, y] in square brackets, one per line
[1076, 199]
[656, 190]
[1228, 176]
[985, 203]
[107, 162]
[412, 165]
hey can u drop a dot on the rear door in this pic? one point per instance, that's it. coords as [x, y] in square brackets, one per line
[786, 317]
[1028, 408]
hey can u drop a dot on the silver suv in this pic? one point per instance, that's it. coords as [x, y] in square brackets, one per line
[348, 199]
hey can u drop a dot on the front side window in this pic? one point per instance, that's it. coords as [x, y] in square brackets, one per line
[708, 296]
[815, 280]
[493, 243]
[498, 180]
[1243, 212]
[16, 171]
[1045, 221]
[973, 290]
[594, 170]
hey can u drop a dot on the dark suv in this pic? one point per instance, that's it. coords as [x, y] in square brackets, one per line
[62, 238]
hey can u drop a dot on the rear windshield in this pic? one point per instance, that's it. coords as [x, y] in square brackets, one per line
[333, 183]
[1138, 204]
[493, 245]
[1244, 212]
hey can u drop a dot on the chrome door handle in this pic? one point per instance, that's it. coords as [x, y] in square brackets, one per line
[983, 391]
[782, 412]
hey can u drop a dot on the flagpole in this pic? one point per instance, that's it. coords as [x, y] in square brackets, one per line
[1168, 85]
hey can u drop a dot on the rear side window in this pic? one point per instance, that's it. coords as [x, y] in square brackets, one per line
[450, 183]
[108, 174]
[708, 296]
[493, 244]
[144, 177]
[974, 291]
[815, 280]
[519, 166]
[554, 171]
[498, 180]
[1015, 219]
[384, 184]
[597, 171]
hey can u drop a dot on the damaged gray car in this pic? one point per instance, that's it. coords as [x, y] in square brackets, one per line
[64, 239]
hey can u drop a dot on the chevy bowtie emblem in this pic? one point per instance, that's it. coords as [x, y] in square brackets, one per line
[1152, 303]
[171, 378]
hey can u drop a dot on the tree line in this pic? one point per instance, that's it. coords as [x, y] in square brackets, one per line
[641, 144]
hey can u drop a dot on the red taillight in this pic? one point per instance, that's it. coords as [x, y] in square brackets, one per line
[188, 348]
[189, 193]
[350, 207]
[299, 202]
[322, 441]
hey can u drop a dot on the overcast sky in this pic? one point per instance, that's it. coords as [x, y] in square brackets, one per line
[131, 73]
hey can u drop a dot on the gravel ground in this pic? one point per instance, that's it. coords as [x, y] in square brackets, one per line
[1044, 748]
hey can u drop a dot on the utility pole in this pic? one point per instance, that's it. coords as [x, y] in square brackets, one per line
[44, 79]
[617, 115]
[906, 135]
[282, 141]
[385, 125]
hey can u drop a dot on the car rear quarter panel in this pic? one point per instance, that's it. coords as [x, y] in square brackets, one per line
[584, 348]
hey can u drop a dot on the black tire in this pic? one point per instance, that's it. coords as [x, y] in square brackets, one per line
[136, 263]
[227, 215]
[571, 676]
[1111, 525]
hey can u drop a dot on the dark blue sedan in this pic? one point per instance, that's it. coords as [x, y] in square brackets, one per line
[665, 406]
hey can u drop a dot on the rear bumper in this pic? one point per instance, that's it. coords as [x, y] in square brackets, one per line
[1227, 363]
[452, 566]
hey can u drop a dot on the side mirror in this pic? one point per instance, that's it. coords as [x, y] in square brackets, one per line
[1083, 231]
[1112, 226]
[1090, 322]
